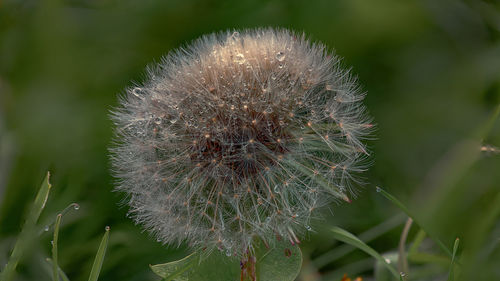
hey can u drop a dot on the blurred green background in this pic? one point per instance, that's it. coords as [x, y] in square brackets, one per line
[431, 70]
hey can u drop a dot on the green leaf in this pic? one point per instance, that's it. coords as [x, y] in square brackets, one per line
[282, 262]
[349, 238]
[28, 233]
[55, 266]
[451, 276]
[217, 266]
[198, 266]
[99, 258]
[176, 270]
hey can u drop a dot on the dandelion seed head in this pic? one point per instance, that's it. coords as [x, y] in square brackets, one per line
[237, 136]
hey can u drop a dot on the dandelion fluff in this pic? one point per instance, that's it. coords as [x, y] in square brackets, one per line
[239, 136]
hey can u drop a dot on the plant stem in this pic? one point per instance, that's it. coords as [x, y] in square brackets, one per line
[402, 258]
[248, 268]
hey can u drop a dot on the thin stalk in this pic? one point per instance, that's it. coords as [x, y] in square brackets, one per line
[402, 259]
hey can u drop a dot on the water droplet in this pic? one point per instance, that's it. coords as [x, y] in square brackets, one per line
[280, 66]
[239, 59]
[173, 121]
[157, 120]
[309, 228]
[52, 242]
[387, 260]
[402, 274]
[228, 252]
[137, 92]
[107, 228]
[378, 189]
[280, 56]
[76, 207]
[46, 228]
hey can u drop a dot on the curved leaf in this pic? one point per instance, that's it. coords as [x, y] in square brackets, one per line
[281, 263]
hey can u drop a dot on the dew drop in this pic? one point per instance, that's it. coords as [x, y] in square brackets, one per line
[107, 228]
[157, 121]
[402, 274]
[309, 228]
[387, 260]
[173, 121]
[378, 189]
[76, 207]
[280, 56]
[228, 252]
[46, 228]
[52, 242]
[137, 92]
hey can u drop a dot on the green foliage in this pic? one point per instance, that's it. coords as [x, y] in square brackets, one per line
[28, 232]
[347, 237]
[279, 263]
[405, 209]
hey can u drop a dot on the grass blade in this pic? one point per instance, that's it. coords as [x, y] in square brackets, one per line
[409, 214]
[62, 275]
[55, 266]
[99, 258]
[28, 231]
[367, 236]
[451, 276]
[349, 238]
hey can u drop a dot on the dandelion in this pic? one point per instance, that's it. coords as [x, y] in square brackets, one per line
[239, 136]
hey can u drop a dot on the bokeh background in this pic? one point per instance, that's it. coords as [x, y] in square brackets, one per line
[431, 70]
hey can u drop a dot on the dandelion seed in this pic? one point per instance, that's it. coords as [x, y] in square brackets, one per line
[239, 135]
